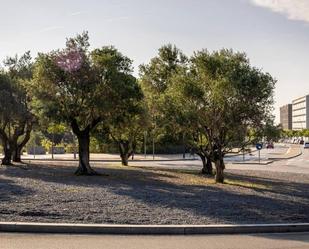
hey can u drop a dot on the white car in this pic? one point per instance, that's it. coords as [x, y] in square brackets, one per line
[306, 145]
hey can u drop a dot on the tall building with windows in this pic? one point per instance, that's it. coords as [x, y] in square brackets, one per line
[300, 114]
[286, 117]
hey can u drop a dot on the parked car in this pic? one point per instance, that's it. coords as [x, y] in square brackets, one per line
[270, 146]
[306, 145]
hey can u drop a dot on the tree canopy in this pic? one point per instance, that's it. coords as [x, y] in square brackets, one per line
[213, 102]
[83, 88]
[16, 117]
[220, 95]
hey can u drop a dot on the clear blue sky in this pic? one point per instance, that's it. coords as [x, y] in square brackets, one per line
[274, 33]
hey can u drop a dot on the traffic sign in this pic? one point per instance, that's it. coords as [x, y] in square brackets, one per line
[259, 146]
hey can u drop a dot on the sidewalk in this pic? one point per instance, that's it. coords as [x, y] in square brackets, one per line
[52, 241]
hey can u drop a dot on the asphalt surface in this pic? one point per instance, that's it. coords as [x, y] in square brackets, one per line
[249, 161]
[298, 165]
[256, 241]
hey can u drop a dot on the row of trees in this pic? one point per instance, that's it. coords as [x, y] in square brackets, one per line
[213, 102]
[294, 133]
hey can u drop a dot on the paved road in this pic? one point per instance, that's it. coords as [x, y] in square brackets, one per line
[296, 165]
[257, 241]
[299, 164]
[104, 156]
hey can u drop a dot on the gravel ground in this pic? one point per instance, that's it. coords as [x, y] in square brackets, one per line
[131, 195]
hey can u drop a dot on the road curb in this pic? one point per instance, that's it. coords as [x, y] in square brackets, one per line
[287, 158]
[253, 162]
[270, 159]
[240, 154]
[150, 229]
[107, 160]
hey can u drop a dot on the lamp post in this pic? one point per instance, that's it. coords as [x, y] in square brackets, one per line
[74, 145]
[53, 139]
[183, 146]
[145, 144]
[153, 148]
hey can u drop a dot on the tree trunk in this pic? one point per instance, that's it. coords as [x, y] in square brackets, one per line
[124, 155]
[19, 147]
[219, 170]
[17, 154]
[83, 137]
[7, 160]
[207, 165]
[124, 160]
[83, 150]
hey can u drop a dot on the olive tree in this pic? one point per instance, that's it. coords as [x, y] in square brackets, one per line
[155, 79]
[16, 118]
[82, 88]
[222, 97]
[127, 130]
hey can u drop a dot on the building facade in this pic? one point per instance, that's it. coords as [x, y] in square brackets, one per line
[286, 117]
[300, 113]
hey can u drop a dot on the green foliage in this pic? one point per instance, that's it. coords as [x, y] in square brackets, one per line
[47, 144]
[305, 133]
[294, 133]
[76, 84]
[36, 139]
[125, 129]
[155, 78]
[83, 88]
[213, 102]
[217, 99]
[272, 132]
[157, 74]
[222, 95]
[56, 128]
[16, 117]
[54, 133]
[95, 146]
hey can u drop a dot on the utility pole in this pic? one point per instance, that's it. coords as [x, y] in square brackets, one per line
[53, 139]
[184, 146]
[8, 144]
[145, 144]
[74, 145]
[34, 143]
[153, 148]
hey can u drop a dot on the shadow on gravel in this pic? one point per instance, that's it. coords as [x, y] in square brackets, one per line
[276, 186]
[10, 189]
[284, 201]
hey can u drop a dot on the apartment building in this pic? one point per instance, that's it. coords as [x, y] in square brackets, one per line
[286, 117]
[300, 114]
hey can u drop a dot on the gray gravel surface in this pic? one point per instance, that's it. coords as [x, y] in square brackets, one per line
[51, 193]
